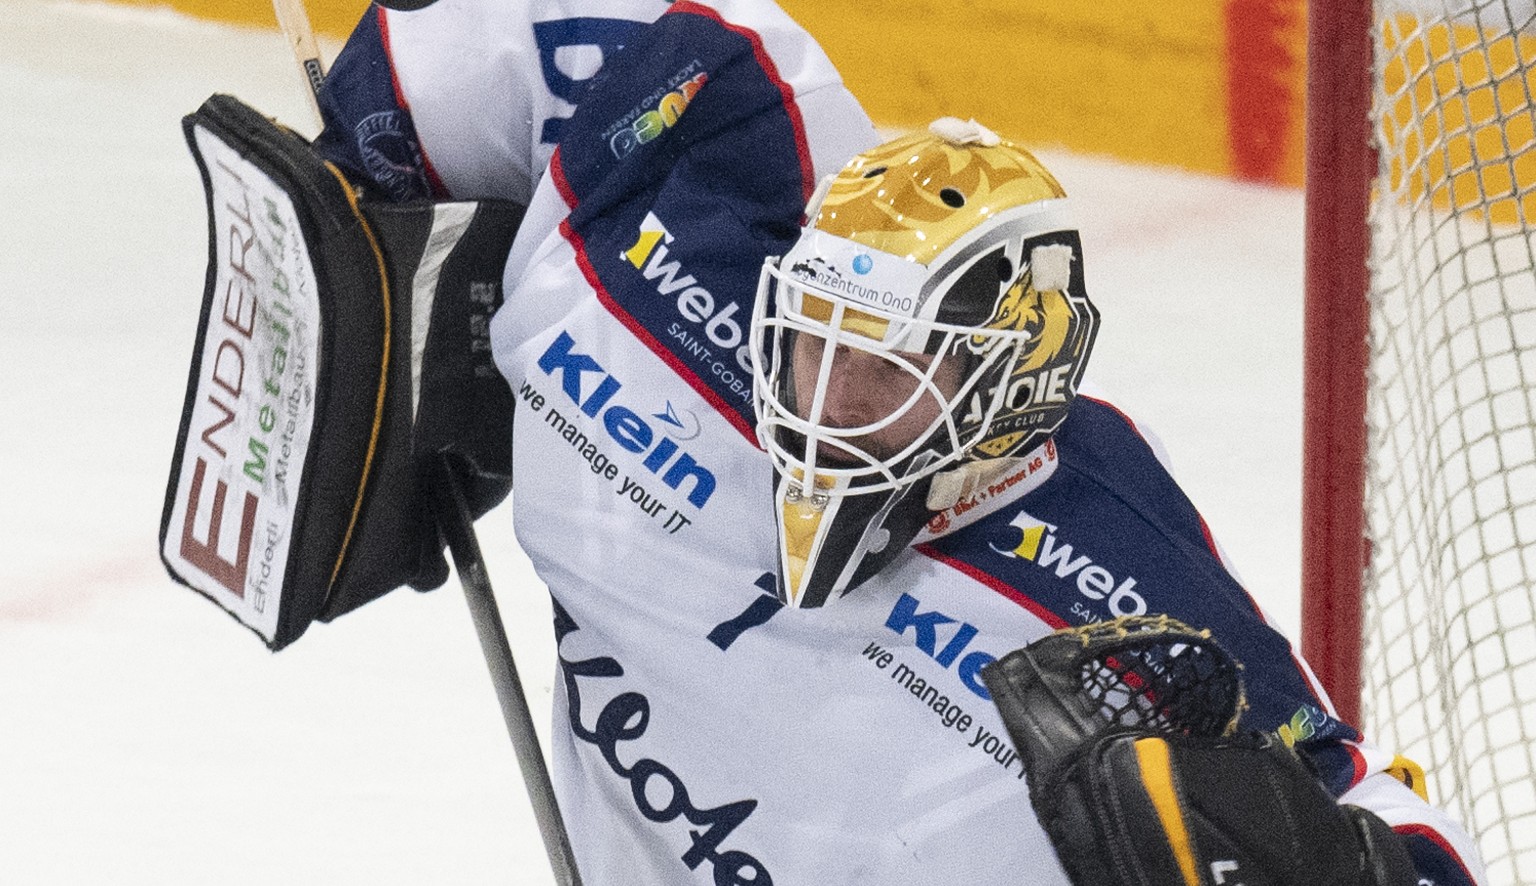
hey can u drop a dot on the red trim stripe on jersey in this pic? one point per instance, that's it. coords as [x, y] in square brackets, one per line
[433, 179]
[765, 61]
[1358, 759]
[561, 183]
[1055, 621]
[650, 341]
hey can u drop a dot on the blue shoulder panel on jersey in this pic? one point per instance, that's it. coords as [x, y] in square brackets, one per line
[684, 166]
[1436, 862]
[1112, 534]
[368, 133]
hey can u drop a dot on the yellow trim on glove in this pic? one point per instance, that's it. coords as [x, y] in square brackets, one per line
[382, 389]
[1157, 777]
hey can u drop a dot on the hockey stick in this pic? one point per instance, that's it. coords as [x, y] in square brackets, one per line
[294, 21]
[459, 529]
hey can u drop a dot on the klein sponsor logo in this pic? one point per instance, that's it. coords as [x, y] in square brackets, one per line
[592, 389]
[944, 639]
[950, 713]
[723, 347]
[1040, 545]
[679, 424]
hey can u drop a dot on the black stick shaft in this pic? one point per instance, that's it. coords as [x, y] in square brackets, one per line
[458, 527]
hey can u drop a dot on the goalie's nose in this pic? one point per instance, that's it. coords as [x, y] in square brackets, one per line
[850, 386]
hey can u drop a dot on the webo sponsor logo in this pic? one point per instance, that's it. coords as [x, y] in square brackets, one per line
[1040, 545]
[711, 330]
[248, 421]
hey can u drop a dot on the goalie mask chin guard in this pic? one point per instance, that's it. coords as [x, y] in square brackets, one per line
[932, 316]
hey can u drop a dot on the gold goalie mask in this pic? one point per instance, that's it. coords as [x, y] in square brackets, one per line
[930, 322]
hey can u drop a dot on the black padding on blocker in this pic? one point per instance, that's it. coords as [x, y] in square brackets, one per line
[462, 406]
[319, 310]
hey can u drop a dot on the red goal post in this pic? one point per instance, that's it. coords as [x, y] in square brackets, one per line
[1419, 485]
[1340, 166]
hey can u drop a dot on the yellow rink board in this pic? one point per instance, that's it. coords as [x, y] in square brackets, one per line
[1113, 77]
[1137, 81]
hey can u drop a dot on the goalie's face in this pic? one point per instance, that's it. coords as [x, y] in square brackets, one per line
[862, 400]
[857, 407]
[863, 406]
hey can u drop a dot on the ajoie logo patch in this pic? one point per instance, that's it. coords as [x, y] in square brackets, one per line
[1040, 545]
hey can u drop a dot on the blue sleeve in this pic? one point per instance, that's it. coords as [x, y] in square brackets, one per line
[368, 130]
[686, 165]
[1114, 510]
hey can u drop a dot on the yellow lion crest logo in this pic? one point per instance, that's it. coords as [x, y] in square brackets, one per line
[1045, 316]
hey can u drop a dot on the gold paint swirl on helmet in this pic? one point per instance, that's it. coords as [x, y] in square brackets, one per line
[900, 197]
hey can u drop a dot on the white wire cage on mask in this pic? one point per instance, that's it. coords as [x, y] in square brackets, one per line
[856, 397]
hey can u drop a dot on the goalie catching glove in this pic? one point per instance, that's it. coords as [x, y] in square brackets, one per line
[1140, 776]
[343, 352]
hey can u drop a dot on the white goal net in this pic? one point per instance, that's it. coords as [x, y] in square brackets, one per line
[1450, 611]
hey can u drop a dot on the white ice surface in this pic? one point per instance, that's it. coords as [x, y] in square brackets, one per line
[147, 738]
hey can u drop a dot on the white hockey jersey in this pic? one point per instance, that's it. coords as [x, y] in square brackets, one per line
[706, 734]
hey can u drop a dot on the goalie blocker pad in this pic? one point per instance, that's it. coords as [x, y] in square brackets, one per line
[342, 350]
